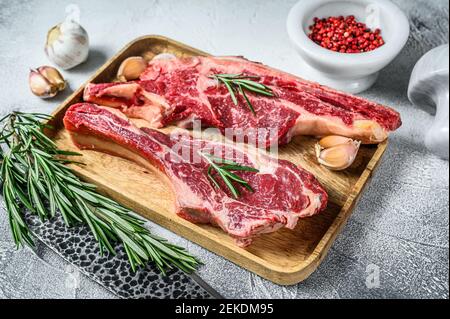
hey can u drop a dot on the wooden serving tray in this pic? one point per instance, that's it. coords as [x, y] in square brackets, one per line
[284, 257]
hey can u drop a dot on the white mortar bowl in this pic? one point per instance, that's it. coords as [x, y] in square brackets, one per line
[350, 72]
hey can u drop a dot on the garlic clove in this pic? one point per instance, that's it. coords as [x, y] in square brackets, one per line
[333, 140]
[338, 157]
[377, 133]
[40, 86]
[46, 82]
[131, 68]
[53, 76]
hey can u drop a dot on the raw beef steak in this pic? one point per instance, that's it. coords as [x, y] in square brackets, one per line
[283, 192]
[178, 91]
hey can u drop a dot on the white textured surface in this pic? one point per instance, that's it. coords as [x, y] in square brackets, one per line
[401, 224]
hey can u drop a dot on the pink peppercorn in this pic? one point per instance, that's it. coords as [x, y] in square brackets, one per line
[345, 35]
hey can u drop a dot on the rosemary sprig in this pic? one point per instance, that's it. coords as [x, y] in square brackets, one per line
[239, 83]
[224, 169]
[34, 175]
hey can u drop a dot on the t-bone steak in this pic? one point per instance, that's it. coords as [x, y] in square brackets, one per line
[178, 91]
[283, 192]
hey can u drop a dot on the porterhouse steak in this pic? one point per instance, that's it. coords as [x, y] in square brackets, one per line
[283, 192]
[178, 91]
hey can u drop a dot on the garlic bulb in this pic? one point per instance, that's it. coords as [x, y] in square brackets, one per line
[67, 44]
[337, 152]
[46, 82]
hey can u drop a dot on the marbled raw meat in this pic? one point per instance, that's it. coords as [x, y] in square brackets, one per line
[179, 91]
[283, 192]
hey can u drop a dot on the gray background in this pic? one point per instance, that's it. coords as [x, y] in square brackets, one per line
[401, 224]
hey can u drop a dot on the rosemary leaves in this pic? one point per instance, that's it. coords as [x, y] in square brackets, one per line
[224, 169]
[239, 84]
[34, 176]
